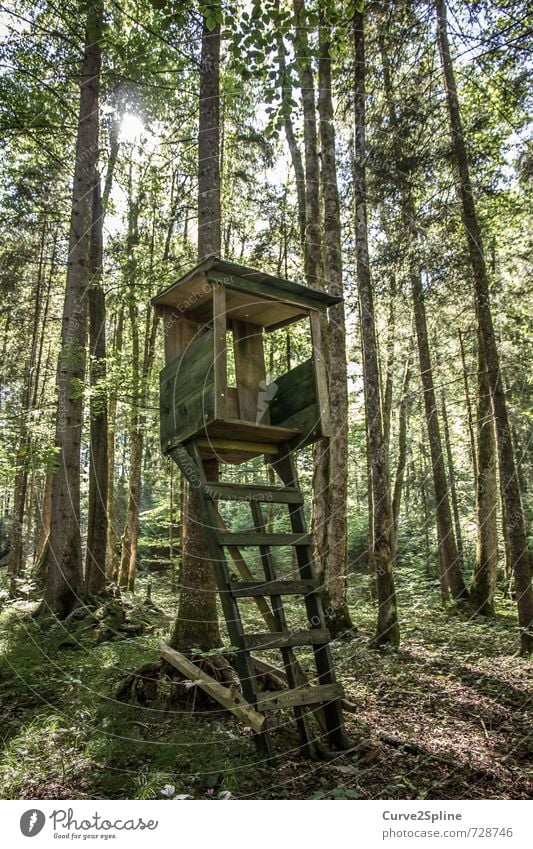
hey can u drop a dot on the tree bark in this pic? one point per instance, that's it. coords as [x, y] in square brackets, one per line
[387, 626]
[64, 576]
[516, 530]
[452, 482]
[486, 566]
[196, 624]
[95, 563]
[337, 615]
[403, 414]
[112, 538]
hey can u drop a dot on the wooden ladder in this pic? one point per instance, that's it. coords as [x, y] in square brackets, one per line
[324, 697]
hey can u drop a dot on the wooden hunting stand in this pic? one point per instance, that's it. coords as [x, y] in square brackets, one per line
[202, 417]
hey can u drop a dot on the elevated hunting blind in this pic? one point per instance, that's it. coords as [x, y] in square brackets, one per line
[216, 313]
[217, 302]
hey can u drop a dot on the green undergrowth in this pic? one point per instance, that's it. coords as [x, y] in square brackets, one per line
[64, 735]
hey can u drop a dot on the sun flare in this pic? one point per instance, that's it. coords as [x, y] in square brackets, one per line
[131, 128]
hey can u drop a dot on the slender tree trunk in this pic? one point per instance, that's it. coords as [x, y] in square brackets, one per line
[112, 540]
[64, 576]
[387, 626]
[517, 540]
[469, 416]
[24, 447]
[294, 150]
[197, 620]
[95, 571]
[338, 616]
[450, 563]
[403, 414]
[486, 567]
[452, 481]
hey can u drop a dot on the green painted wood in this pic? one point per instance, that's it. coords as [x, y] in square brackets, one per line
[199, 349]
[276, 640]
[295, 404]
[250, 538]
[255, 287]
[281, 699]
[187, 418]
[249, 589]
[256, 492]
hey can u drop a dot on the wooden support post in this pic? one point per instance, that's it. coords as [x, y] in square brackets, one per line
[230, 699]
[220, 361]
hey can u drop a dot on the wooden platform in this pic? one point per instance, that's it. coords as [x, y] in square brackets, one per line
[236, 441]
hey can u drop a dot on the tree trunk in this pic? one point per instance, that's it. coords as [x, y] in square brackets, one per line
[28, 399]
[516, 530]
[64, 576]
[197, 619]
[387, 626]
[337, 615]
[469, 416]
[486, 567]
[294, 150]
[111, 542]
[452, 481]
[95, 571]
[403, 413]
[450, 565]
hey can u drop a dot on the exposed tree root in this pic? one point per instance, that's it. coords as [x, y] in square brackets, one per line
[151, 681]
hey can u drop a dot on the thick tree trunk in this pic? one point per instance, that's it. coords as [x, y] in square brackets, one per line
[64, 576]
[95, 571]
[338, 616]
[387, 627]
[486, 567]
[516, 530]
[197, 619]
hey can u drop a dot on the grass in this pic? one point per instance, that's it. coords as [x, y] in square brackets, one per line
[445, 716]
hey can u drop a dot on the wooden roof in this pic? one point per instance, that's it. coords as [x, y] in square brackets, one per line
[250, 286]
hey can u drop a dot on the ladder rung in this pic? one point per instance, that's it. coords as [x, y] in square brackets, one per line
[277, 639]
[254, 538]
[244, 589]
[277, 700]
[255, 492]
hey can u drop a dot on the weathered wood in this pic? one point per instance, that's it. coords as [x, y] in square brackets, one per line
[177, 331]
[250, 432]
[250, 371]
[278, 640]
[250, 538]
[228, 698]
[255, 492]
[220, 357]
[238, 445]
[245, 573]
[264, 290]
[249, 589]
[186, 419]
[279, 700]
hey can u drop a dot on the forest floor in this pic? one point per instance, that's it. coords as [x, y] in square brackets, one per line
[443, 717]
